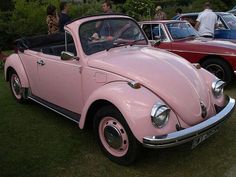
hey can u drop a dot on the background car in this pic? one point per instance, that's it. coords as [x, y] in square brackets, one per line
[226, 22]
[232, 11]
[179, 37]
[130, 93]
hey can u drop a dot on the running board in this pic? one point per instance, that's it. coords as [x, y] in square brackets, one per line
[64, 112]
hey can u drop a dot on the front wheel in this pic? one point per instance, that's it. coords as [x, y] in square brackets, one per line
[114, 136]
[16, 87]
[219, 68]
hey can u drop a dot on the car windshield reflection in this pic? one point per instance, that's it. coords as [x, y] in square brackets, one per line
[181, 30]
[105, 34]
[230, 20]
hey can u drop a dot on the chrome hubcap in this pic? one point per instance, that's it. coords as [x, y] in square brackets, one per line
[113, 137]
[16, 85]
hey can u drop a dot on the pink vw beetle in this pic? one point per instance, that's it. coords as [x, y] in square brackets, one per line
[104, 73]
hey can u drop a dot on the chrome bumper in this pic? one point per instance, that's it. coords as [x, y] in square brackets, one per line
[188, 134]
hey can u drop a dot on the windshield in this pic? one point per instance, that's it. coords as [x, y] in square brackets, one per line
[181, 30]
[104, 34]
[230, 20]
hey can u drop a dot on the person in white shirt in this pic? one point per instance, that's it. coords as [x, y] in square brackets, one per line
[206, 22]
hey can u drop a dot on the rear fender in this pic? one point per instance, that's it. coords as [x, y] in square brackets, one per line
[13, 62]
[134, 104]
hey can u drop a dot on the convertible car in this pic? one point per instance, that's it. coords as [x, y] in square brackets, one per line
[215, 55]
[226, 24]
[104, 74]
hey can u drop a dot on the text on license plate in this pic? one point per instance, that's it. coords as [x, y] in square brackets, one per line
[201, 138]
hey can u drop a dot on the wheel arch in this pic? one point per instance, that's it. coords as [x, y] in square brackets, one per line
[13, 63]
[217, 57]
[8, 72]
[134, 104]
[225, 65]
[94, 107]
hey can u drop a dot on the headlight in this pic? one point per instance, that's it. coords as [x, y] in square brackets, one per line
[218, 88]
[160, 115]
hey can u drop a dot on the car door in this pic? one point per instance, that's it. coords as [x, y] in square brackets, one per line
[60, 80]
[29, 59]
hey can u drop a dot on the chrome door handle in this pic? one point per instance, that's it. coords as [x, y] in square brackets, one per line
[41, 62]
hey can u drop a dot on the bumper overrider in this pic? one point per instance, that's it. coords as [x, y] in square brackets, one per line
[207, 127]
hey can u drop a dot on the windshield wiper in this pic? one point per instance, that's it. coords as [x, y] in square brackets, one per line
[117, 44]
[136, 41]
[193, 35]
[124, 43]
[182, 37]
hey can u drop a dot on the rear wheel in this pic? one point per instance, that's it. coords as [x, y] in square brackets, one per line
[16, 87]
[114, 136]
[219, 68]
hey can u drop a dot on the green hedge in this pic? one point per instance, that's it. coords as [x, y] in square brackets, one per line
[140, 9]
[29, 18]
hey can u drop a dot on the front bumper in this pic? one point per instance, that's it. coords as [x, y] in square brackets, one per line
[188, 134]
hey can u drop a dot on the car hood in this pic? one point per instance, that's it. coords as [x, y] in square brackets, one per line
[170, 77]
[208, 45]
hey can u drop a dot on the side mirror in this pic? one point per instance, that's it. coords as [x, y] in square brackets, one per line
[67, 56]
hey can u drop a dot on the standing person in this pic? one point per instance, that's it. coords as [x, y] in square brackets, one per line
[64, 17]
[103, 29]
[160, 15]
[107, 7]
[52, 19]
[178, 13]
[206, 22]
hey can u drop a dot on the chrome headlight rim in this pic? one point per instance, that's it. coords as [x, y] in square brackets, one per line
[218, 88]
[157, 112]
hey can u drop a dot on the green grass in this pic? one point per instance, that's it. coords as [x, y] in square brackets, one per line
[36, 142]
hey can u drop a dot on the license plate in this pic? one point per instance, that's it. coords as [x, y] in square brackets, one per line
[201, 138]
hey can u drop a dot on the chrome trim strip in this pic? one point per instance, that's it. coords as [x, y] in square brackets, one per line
[188, 134]
[35, 100]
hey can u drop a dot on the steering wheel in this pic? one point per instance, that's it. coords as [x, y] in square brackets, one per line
[95, 47]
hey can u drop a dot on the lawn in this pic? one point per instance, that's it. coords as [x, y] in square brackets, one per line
[36, 142]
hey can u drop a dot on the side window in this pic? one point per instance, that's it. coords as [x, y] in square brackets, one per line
[69, 44]
[147, 30]
[220, 24]
[158, 32]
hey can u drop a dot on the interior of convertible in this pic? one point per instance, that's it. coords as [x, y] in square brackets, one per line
[52, 44]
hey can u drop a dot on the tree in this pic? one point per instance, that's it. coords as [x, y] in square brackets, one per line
[140, 9]
[6, 5]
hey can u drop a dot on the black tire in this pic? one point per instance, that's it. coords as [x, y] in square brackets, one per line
[15, 86]
[219, 68]
[109, 121]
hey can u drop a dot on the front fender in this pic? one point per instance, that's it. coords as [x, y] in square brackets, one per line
[134, 104]
[14, 62]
